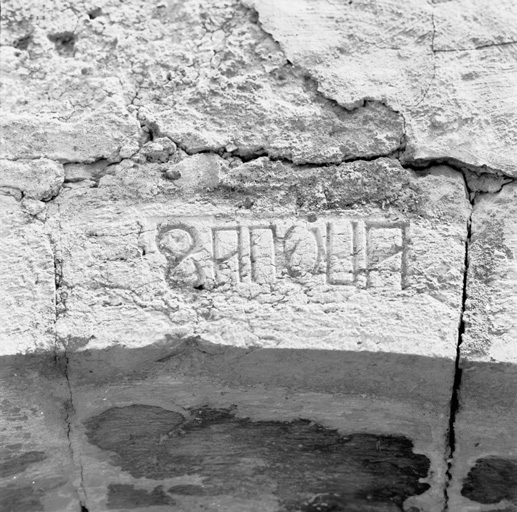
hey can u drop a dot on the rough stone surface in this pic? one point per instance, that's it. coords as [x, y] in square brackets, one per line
[262, 211]
[27, 137]
[351, 273]
[491, 306]
[448, 67]
[27, 279]
[38, 179]
[486, 427]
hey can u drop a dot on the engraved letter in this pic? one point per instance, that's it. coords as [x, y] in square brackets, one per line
[179, 244]
[263, 268]
[340, 253]
[386, 255]
[227, 254]
[302, 251]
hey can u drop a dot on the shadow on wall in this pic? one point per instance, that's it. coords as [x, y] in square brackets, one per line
[402, 377]
[306, 466]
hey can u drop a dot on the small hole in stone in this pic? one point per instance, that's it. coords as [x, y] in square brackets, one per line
[95, 13]
[248, 203]
[254, 16]
[199, 287]
[64, 42]
[24, 42]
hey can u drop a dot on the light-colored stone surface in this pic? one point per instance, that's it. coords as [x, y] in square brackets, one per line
[218, 186]
[26, 136]
[33, 179]
[27, 279]
[491, 306]
[353, 274]
[448, 67]
[486, 423]
[235, 90]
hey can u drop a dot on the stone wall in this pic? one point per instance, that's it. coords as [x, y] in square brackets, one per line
[258, 255]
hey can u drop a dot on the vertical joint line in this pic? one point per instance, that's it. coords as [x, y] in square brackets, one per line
[458, 372]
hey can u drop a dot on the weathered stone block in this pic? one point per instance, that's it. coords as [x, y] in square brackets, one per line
[27, 281]
[329, 278]
[208, 262]
[28, 136]
[328, 295]
[485, 460]
[38, 179]
[449, 84]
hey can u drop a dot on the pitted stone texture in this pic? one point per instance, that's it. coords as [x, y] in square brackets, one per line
[486, 437]
[35, 179]
[355, 275]
[27, 279]
[209, 78]
[448, 67]
[214, 80]
[468, 112]
[92, 137]
[296, 125]
[491, 308]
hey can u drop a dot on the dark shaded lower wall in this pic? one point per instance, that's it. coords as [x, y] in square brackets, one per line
[192, 426]
[484, 468]
[306, 466]
[37, 471]
[402, 377]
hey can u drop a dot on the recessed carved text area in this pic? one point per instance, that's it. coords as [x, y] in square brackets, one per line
[363, 253]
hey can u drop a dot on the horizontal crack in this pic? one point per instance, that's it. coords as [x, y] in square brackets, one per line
[481, 47]
[457, 165]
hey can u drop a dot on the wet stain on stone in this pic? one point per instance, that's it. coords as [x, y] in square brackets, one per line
[491, 480]
[306, 466]
[15, 446]
[187, 490]
[127, 496]
[18, 464]
[28, 498]
[22, 498]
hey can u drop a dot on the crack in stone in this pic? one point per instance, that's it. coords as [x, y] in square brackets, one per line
[60, 356]
[456, 390]
[455, 403]
[433, 51]
[475, 48]
[70, 410]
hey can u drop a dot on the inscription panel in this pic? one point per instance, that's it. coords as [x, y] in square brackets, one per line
[210, 252]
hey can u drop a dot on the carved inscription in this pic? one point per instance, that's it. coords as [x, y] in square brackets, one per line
[340, 252]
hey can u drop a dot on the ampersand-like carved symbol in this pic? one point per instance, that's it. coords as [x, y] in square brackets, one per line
[179, 244]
